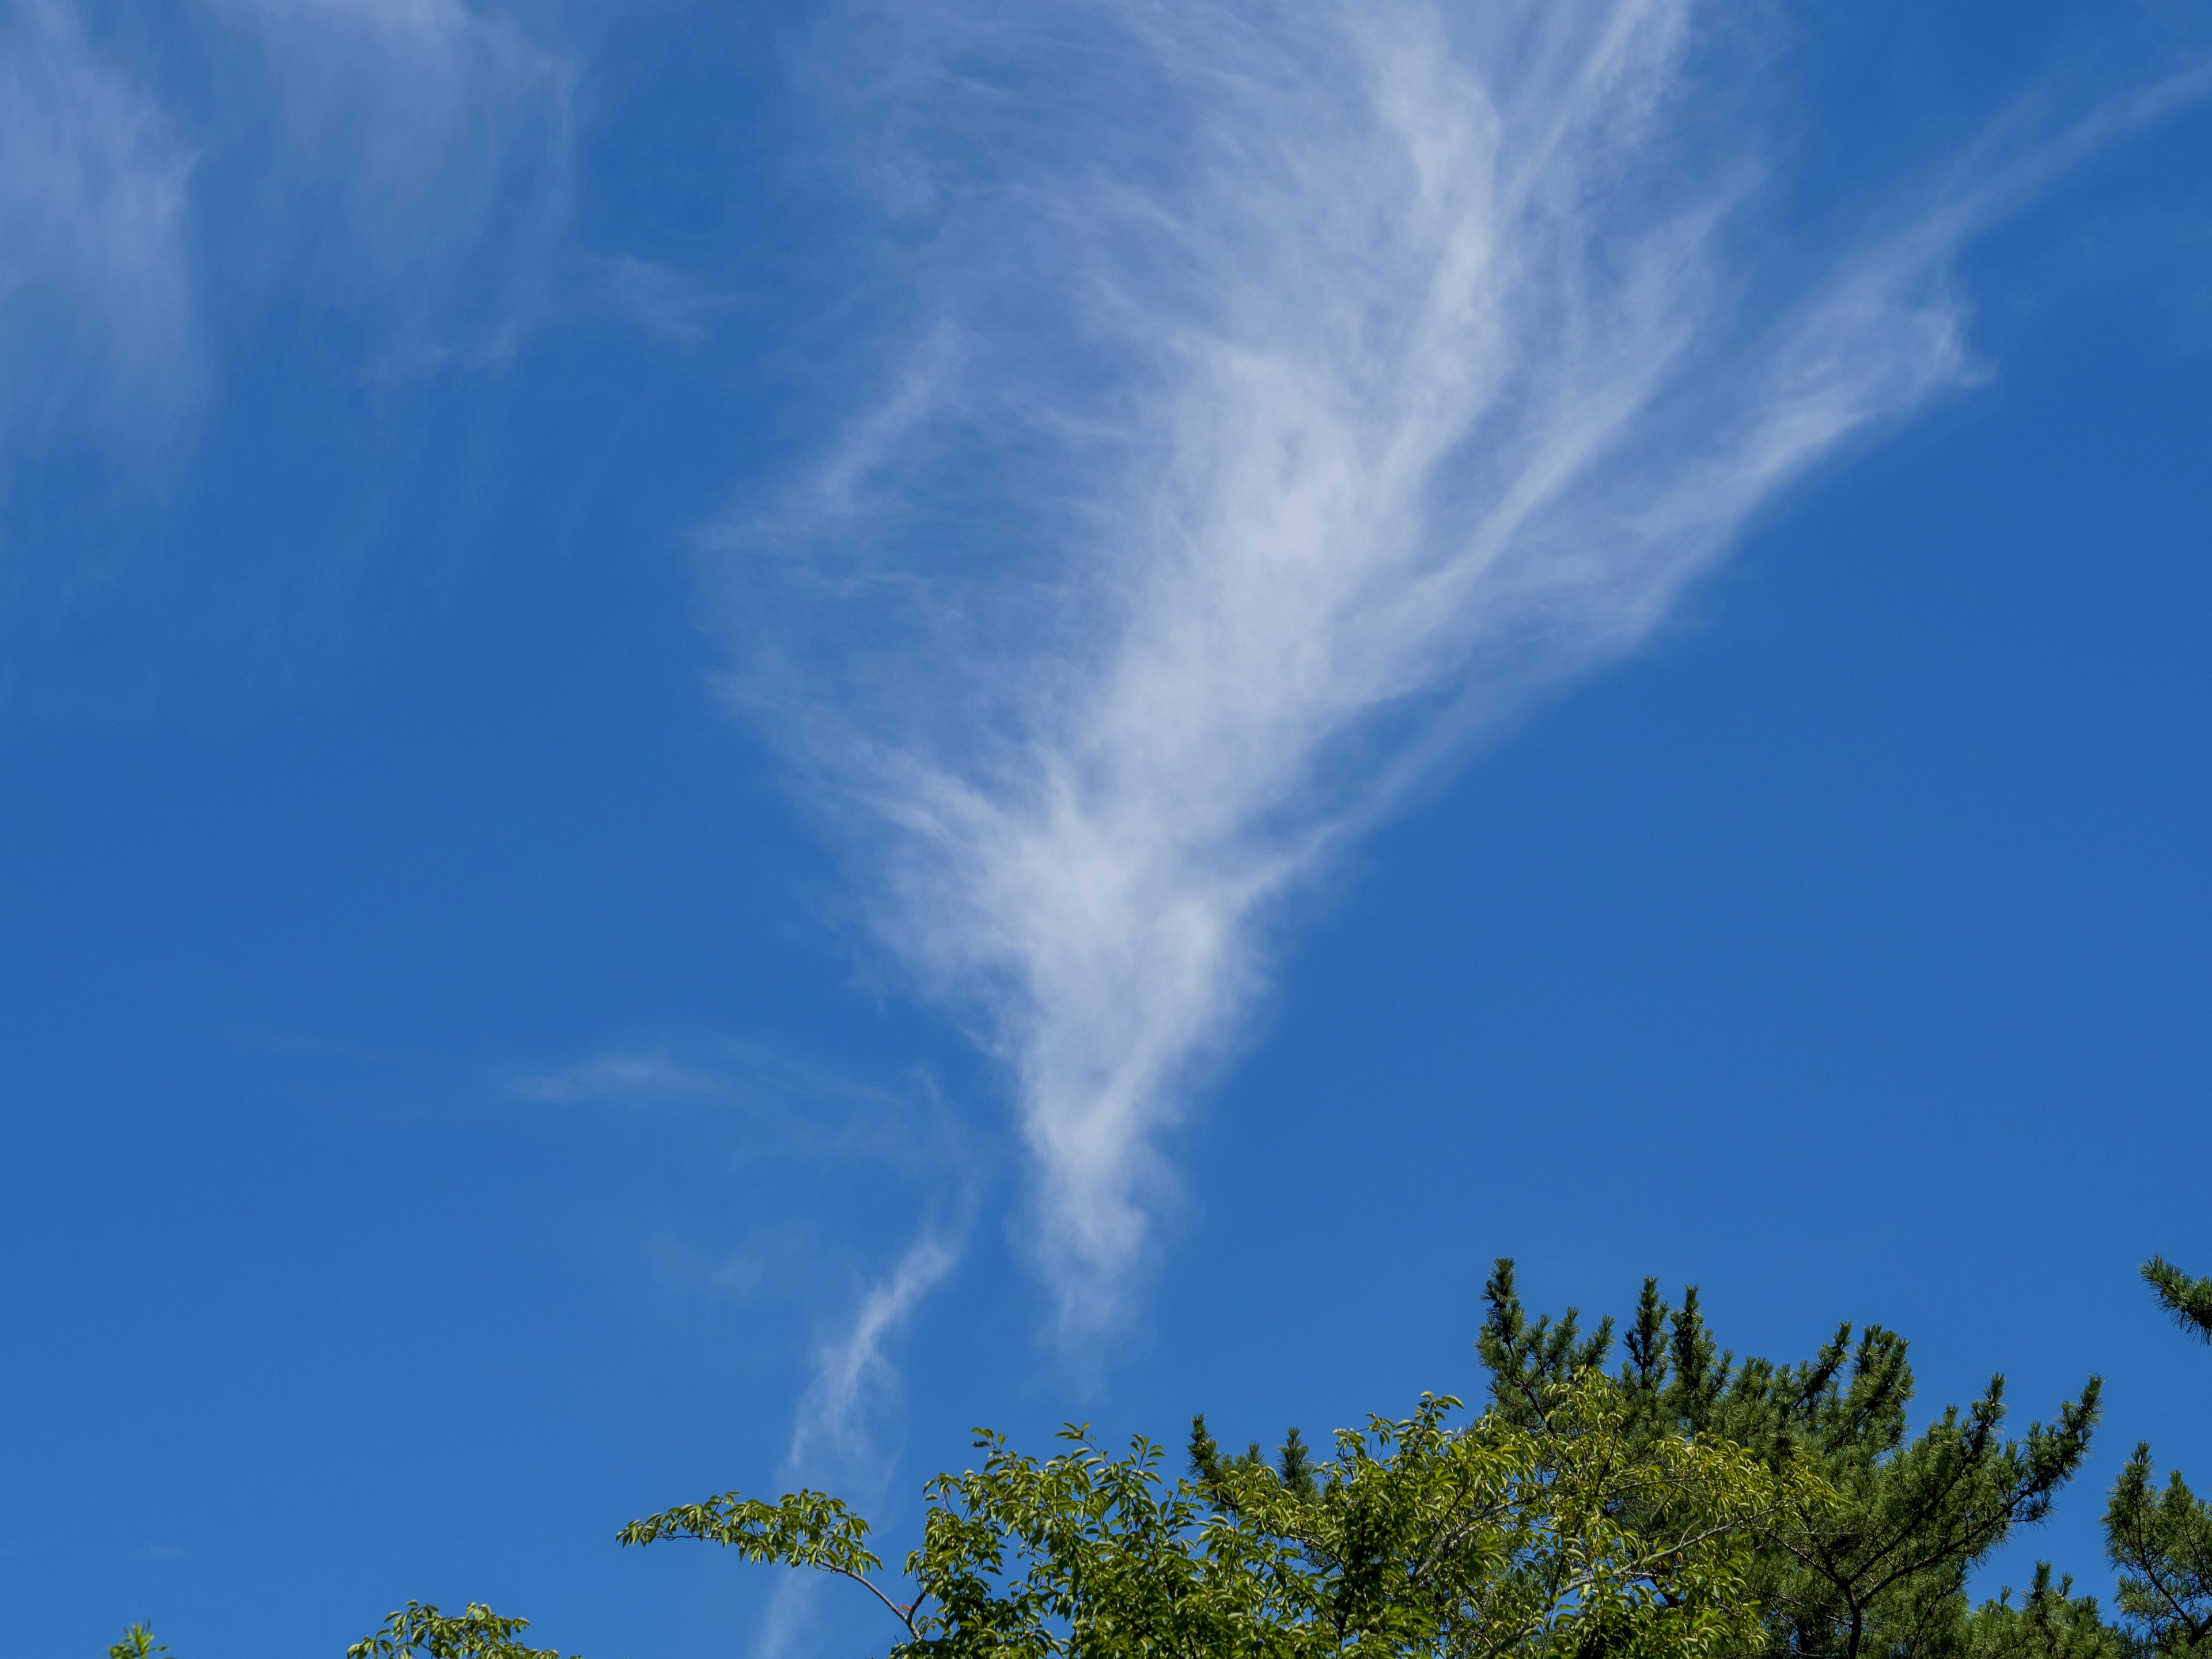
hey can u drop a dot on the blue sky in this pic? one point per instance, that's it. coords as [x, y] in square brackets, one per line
[737, 735]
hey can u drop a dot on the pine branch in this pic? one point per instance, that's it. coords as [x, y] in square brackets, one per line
[2188, 1300]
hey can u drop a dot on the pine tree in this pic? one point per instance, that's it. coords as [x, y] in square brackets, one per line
[2160, 1541]
[2051, 1623]
[1882, 1570]
[1294, 1466]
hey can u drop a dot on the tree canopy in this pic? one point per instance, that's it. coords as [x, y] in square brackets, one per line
[1427, 1534]
[1629, 1493]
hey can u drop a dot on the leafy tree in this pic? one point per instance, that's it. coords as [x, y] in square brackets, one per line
[1422, 1536]
[1880, 1567]
[476, 1634]
[137, 1643]
[1688, 1506]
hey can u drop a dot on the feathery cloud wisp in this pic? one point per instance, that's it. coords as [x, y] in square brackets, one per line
[386, 196]
[616, 1077]
[838, 1431]
[835, 1420]
[97, 335]
[1411, 369]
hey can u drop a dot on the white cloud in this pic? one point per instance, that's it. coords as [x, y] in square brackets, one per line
[379, 190]
[618, 1077]
[843, 1408]
[404, 160]
[418, 154]
[1405, 372]
[98, 336]
[840, 1435]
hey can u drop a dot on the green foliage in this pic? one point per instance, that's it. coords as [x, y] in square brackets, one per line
[801, 1529]
[1882, 1568]
[137, 1643]
[2161, 1543]
[417, 1630]
[1423, 1536]
[2049, 1624]
[1295, 1468]
[1687, 1506]
[2188, 1300]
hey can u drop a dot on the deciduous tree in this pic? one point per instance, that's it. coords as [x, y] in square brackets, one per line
[1424, 1535]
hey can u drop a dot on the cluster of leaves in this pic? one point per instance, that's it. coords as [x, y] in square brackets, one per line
[476, 1633]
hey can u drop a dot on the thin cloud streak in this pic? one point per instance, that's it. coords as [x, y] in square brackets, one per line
[626, 1078]
[406, 160]
[840, 1417]
[1412, 373]
[841, 1434]
[97, 343]
[385, 185]
[420, 149]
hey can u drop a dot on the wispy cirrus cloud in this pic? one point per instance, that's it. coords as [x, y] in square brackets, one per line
[403, 160]
[853, 1392]
[857, 1299]
[842, 1430]
[619, 1076]
[419, 153]
[330, 195]
[790, 1111]
[99, 345]
[1309, 389]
